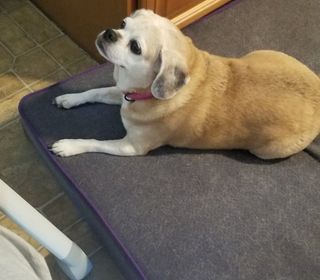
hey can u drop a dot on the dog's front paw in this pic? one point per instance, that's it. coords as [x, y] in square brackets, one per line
[68, 147]
[67, 101]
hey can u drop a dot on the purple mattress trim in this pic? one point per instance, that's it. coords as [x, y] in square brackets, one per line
[56, 164]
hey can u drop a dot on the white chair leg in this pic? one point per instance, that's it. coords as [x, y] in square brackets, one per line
[71, 258]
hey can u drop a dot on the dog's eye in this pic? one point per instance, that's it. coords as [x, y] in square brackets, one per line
[123, 24]
[134, 47]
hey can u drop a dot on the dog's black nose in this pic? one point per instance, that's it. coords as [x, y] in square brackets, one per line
[110, 36]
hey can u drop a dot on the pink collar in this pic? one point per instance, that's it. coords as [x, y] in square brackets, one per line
[136, 96]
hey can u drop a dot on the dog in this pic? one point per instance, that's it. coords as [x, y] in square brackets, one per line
[172, 93]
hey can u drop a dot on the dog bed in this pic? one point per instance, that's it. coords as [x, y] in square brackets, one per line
[188, 214]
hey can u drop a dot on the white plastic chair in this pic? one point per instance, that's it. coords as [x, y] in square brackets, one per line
[70, 257]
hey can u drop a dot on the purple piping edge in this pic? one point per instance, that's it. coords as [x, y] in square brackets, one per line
[56, 164]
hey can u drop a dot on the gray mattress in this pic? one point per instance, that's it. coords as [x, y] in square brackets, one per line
[188, 214]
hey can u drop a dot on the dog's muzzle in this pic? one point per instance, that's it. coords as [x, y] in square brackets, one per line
[110, 36]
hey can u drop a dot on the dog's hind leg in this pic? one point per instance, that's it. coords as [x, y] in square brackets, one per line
[283, 148]
[108, 95]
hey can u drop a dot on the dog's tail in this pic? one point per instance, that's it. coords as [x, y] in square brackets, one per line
[314, 149]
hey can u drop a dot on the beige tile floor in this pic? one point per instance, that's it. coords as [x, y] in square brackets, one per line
[34, 54]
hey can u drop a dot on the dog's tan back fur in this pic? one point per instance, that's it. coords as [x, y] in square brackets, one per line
[265, 102]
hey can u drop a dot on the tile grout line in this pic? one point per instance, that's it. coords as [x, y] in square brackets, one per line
[61, 65]
[4, 99]
[90, 255]
[26, 52]
[28, 86]
[6, 11]
[40, 248]
[55, 60]
[39, 12]
[66, 228]
[40, 45]
[25, 86]
[72, 224]
[37, 45]
[23, 31]
[40, 208]
[9, 122]
[8, 50]
[51, 39]
[46, 77]
[20, 79]
[36, 10]
[80, 220]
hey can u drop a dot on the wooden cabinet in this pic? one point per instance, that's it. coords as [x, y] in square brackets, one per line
[182, 12]
[82, 20]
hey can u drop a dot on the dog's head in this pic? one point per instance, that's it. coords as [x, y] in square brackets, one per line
[149, 53]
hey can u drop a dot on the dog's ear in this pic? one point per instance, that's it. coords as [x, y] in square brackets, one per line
[172, 75]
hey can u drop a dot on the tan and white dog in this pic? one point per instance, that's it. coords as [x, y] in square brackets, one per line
[265, 102]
